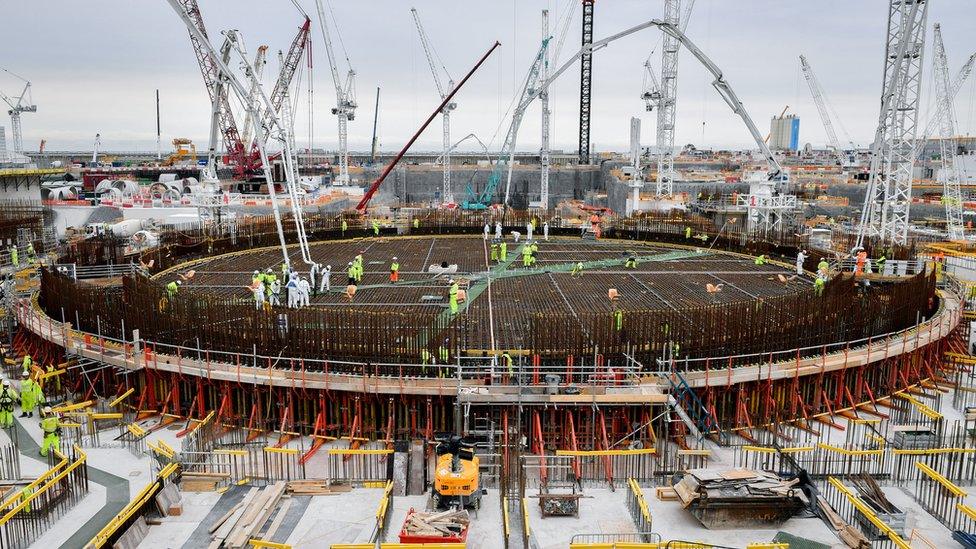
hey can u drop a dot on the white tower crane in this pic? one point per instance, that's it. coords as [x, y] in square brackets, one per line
[818, 98]
[544, 159]
[18, 105]
[345, 109]
[949, 174]
[667, 103]
[260, 60]
[447, 194]
[888, 199]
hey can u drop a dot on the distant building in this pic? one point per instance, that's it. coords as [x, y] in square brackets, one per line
[784, 133]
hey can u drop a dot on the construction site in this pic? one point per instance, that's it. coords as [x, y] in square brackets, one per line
[256, 343]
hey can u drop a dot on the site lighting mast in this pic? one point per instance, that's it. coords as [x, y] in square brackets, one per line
[949, 174]
[18, 105]
[888, 198]
[447, 195]
[345, 109]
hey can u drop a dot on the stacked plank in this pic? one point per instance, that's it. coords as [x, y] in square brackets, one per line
[316, 487]
[245, 520]
[198, 481]
[447, 524]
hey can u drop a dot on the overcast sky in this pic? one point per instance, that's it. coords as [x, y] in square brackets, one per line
[95, 67]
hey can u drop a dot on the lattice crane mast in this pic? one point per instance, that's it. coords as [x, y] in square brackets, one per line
[18, 106]
[552, 54]
[447, 194]
[260, 60]
[888, 198]
[818, 98]
[586, 81]
[949, 174]
[667, 103]
[345, 109]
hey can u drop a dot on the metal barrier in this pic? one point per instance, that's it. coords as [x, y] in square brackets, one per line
[856, 513]
[366, 468]
[140, 506]
[639, 511]
[636, 540]
[29, 512]
[383, 514]
[943, 499]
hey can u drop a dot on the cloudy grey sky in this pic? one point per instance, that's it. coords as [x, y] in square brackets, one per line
[95, 66]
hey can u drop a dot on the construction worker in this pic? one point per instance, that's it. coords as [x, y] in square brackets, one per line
[529, 227]
[444, 352]
[503, 250]
[25, 494]
[801, 256]
[416, 223]
[498, 230]
[376, 228]
[358, 263]
[881, 264]
[30, 396]
[325, 284]
[274, 294]
[487, 230]
[57, 378]
[631, 261]
[13, 256]
[345, 226]
[351, 274]
[687, 233]
[8, 397]
[172, 288]
[293, 292]
[545, 231]
[618, 319]
[453, 296]
[31, 256]
[761, 260]
[25, 366]
[257, 289]
[823, 267]
[494, 251]
[818, 285]
[425, 359]
[859, 264]
[526, 255]
[256, 277]
[304, 289]
[394, 271]
[51, 426]
[577, 269]
[313, 276]
[509, 363]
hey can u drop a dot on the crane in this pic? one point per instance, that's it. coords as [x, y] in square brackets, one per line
[818, 98]
[586, 80]
[954, 88]
[530, 90]
[544, 160]
[447, 194]
[18, 105]
[260, 60]
[667, 103]
[345, 109]
[209, 57]
[368, 195]
[777, 180]
[888, 198]
[949, 174]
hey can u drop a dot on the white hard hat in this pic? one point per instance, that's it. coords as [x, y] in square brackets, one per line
[329, 266]
[46, 409]
[6, 383]
[255, 272]
[394, 257]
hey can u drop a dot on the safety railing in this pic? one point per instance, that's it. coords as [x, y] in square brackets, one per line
[141, 506]
[29, 512]
[9, 461]
[252, 464]
[360, 467]
[943, 499]
[635, 540]
[639, 511]
[855, 512]
[383, 514]
[109, 270]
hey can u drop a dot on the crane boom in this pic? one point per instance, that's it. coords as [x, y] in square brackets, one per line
[818, 98]
[289, 65]
[260, 60]
[949, 174]
[368, 195]
[17, 106]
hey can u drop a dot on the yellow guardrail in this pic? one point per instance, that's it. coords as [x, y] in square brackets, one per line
[525, 519]
[399, 545]
[771, 450]
[937, 477]
[72, 407]
[47, 484]
[846, 452]
[30, 171]
[261, 544]
[869, 514]
[351, 452]
[118, 400]
[136, 430]
[32, 487]
[101, 538]
[505, 525]
[641, 502]
[225, 452]
[385, 502]
[585, 453]
[273, 450]
[922, 407]
[932, 451]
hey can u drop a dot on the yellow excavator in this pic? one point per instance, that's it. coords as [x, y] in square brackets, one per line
[456, 477]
